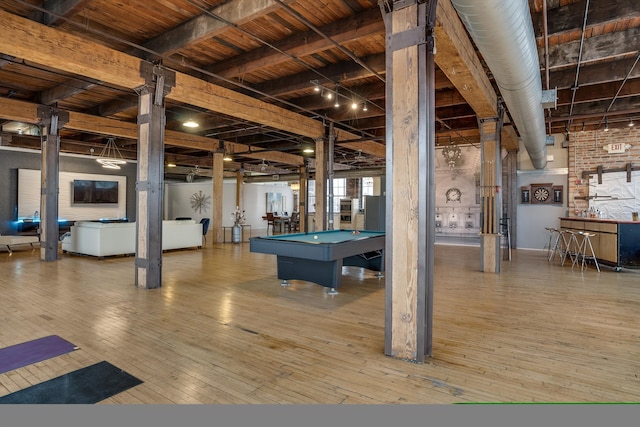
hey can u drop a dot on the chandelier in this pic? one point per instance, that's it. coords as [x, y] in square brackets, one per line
[110, 156]
[451, 154]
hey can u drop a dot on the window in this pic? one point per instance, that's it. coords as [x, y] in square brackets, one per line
[367, 186]
[339, 192]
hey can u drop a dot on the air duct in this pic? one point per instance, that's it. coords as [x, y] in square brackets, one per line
[503, 32]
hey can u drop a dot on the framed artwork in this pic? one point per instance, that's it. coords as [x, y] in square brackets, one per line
[558, 194]
[274, 202]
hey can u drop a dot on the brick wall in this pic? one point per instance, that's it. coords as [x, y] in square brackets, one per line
[586, 153]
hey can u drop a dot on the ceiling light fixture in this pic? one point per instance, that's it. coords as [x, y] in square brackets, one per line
[451, 154]
[606, 124]
[354, 105]
[110, 156]
[190, 124]
[364, 107]
[630, 122]
[308, 149]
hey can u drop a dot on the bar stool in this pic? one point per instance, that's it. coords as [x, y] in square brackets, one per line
[585, 251]
[559, 246]
[572, 249]
[552, 239]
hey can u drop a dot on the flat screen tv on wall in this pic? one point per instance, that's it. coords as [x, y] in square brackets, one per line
[95, 192]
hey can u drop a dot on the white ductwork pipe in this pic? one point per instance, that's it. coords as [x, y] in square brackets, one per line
[503, 32]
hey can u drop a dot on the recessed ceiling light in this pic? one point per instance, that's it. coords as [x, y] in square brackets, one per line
[190, 124]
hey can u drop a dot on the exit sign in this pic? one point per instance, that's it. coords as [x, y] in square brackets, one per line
[617, 147]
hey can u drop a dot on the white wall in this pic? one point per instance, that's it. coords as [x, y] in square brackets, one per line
[178, 200]
[533, 218]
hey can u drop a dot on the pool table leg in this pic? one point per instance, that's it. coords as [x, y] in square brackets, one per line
[285, 283]
[333, 291]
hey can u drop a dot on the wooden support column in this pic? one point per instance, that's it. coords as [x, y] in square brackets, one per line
[150, 179]
[491, 192]
[239, 189]
[410, 178]
[510, 193]
[304, 198]
[321, 184]
[51, 121]
[216, 210]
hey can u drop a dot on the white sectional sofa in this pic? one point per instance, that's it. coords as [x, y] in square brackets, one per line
[119, 238]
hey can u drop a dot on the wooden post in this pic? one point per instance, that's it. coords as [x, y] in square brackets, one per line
[321, 185]
[410, 196]
[304, 197]
[51, 121]
[216, 210]
[150, 179]
[491, 192]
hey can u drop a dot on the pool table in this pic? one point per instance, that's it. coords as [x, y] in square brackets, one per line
[318, 257]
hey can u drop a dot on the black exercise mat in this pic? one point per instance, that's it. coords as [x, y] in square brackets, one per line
[84, 386]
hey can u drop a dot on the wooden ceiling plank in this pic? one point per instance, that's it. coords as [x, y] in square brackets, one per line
[616, 70]
[571, 17]
[342, 31]
[206, 25]
[64, 9]
[604, 46]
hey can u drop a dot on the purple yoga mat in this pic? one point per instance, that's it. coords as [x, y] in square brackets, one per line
[26, 353]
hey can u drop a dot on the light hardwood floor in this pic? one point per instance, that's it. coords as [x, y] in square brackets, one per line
[221, 330]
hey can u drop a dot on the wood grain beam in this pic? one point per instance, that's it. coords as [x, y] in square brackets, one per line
[457, 59]
[597, 73]
[605, 46]
[27, 112]
[207, 25]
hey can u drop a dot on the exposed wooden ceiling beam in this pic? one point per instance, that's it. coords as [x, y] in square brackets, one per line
[570, 17]
[35, 42]
[207, 25]
[28, 112]
[603, 46]
[458, 60]
[63, 9]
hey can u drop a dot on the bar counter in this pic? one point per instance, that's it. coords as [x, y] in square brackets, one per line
[616, 242]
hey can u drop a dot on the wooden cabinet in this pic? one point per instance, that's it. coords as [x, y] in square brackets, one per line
[613, 242]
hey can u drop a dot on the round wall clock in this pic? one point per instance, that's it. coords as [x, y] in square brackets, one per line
[453, 195]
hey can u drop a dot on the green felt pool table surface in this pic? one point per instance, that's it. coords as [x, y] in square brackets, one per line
[329, 236]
